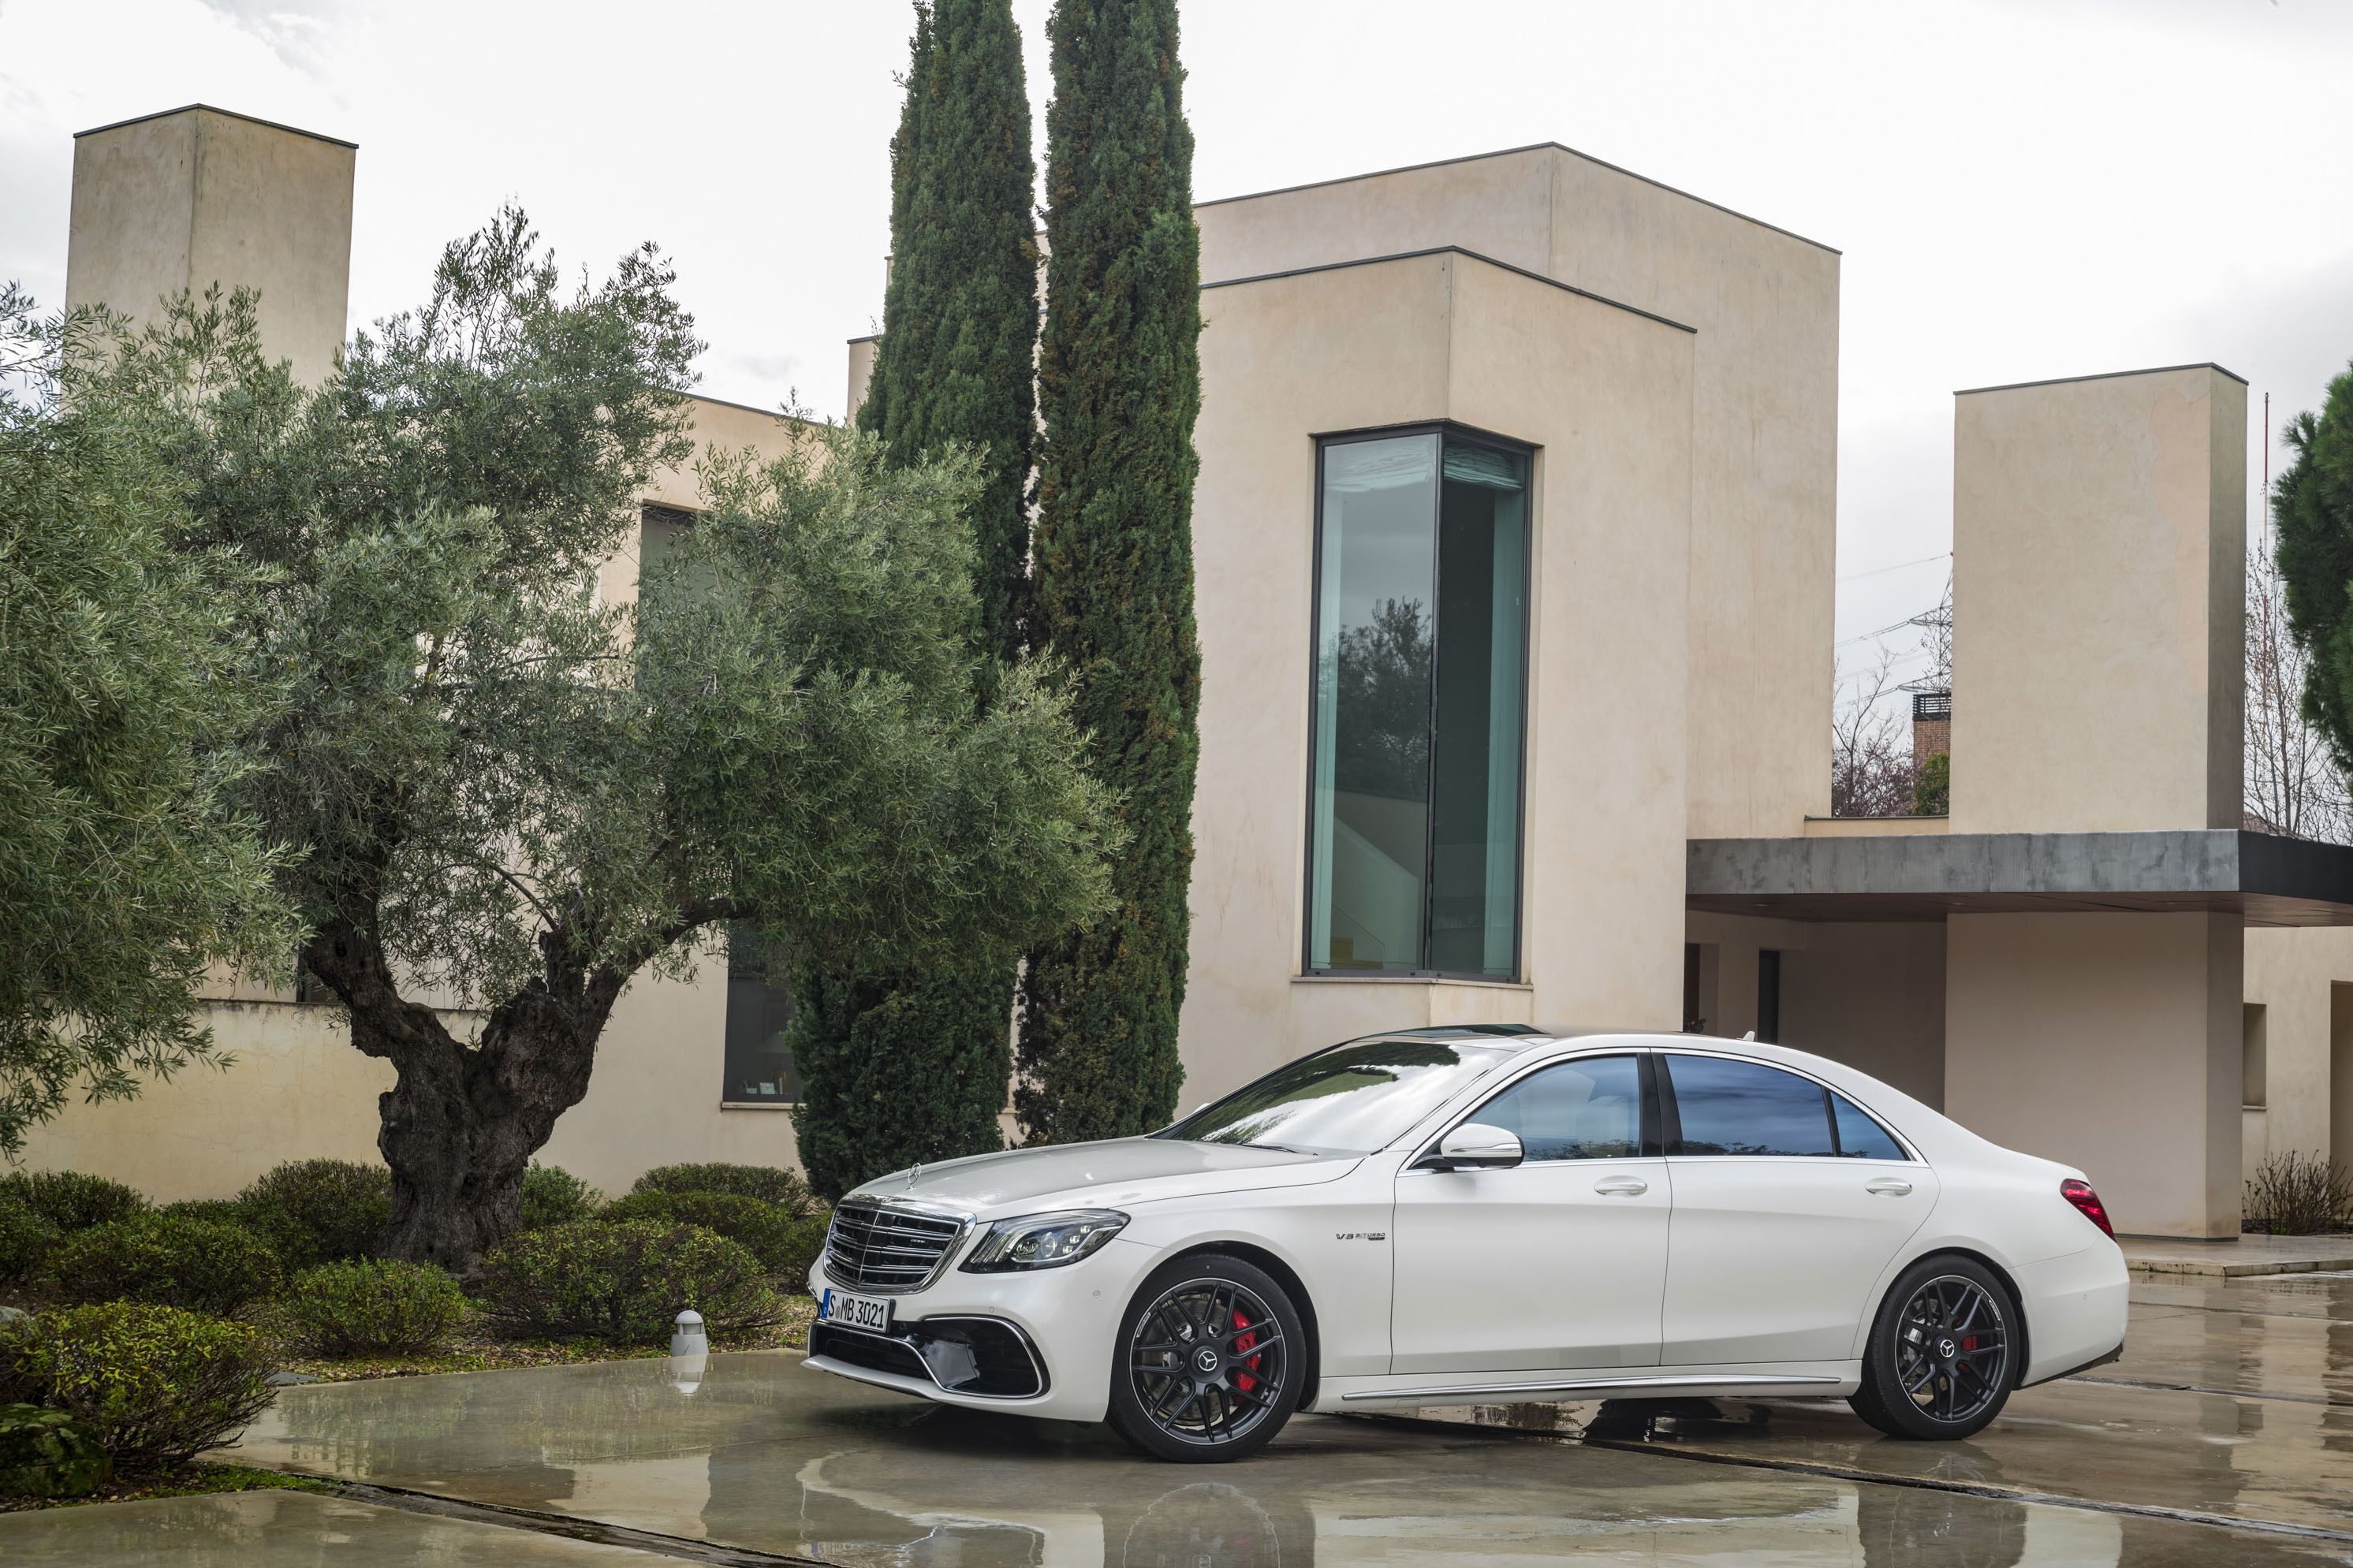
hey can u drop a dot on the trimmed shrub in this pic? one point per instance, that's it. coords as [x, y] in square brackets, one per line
[553, 1196]
[801, 1249]
[219, 1211]
[26, 1240]
[71, 1200]
[47, 1453]
[358, 1307]
[168, 1259]
[317, 1211]
[766, 1182]
[154, 1385]
[763, 1229]
[625, 1282]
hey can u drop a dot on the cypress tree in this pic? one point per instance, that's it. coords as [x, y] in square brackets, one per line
[897, 1066]
[1111, 594]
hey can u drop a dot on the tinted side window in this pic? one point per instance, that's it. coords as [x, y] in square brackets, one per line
[1585, 1110]
[1746, 1108]
[1860, 1137]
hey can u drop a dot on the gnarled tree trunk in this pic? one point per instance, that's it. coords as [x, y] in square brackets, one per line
[462, 1122]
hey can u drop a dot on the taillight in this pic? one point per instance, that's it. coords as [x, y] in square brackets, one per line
[2087, 1204]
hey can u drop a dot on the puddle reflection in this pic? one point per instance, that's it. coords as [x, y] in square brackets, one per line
[764, 1455]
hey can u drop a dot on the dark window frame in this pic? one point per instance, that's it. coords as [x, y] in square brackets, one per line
[1469, 435]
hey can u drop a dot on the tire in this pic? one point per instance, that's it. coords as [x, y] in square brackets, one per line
[1944, 1353]
[1197, 1377]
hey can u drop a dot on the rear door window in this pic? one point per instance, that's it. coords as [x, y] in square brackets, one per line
[1737, 1108]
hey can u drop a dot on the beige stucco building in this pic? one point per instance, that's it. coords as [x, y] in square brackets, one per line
[1516, 536]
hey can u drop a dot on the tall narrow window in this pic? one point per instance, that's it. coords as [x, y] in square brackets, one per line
[1420, 656]
[759, 1065]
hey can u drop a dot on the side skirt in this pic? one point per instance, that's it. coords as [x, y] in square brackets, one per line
[1364, 1394]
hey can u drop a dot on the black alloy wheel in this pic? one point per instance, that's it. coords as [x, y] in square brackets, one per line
[1209, 1359]
[1943, 1355]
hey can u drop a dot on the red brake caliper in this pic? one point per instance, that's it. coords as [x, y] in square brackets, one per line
[1243, 1380]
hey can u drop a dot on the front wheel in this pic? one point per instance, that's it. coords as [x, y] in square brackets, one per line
[1943, 1354]
[1209, 1363]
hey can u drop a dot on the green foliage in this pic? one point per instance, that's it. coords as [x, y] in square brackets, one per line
[49, 1454]
[71, 1200]
[765, 1230]
[220, 1211]
[1119, 386]
[2312, 504]
[505, 788]
[897, 1069]
[371, 1306]
[316, 1211]
[127, 692]
[553, 1196]
[623, 1282]
[168, 1260]
[956, 368]
[1932, 791]
[155, 1384]
[769, 1184]
[802, 1246]
[956, 362]
[26, 1239]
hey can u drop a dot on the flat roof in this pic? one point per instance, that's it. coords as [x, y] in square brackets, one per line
[226, 113]
[1449, 250]
[2269, 880]
[1514, 152]
[2103, 375]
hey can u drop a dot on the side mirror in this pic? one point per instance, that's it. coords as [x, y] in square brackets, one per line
[1475, 1146]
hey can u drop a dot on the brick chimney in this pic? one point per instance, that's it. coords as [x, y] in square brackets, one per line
[1932, 724]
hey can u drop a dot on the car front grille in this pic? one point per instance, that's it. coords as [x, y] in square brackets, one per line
[882, 1247]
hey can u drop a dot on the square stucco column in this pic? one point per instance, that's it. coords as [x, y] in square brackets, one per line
[2099, 575]
[2108, 1042]
[198, 196]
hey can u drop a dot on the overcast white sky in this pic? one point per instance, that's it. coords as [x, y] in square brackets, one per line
[2022, 188]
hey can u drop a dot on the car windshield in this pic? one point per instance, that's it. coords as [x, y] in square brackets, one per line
[1350, 1100]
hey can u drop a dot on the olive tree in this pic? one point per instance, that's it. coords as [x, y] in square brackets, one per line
[126, 870]
[513, 790]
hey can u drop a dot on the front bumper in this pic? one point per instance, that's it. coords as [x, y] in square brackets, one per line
[1064, 1321]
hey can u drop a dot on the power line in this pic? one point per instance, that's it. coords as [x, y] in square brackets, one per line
[1900, 565]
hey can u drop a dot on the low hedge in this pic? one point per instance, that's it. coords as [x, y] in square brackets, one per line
[553, 1196]
[220, 1211]
[371, 1306]
[167, 1259]
[154, 1385]
[26, 1239]
[765, 1229]
[71, 1200]
[317, 1211]
[768, 1183]
[622, 1281]
[49, 1454]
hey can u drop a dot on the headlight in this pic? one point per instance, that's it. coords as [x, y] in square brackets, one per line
[1043, 1240]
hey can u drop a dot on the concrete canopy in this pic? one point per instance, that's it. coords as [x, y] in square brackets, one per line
[1925, 877]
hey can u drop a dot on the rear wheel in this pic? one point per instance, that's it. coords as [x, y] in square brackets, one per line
[1943, 1354]
[1209, 1363]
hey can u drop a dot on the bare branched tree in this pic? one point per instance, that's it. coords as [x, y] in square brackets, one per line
[2293, 786]
[1872, 772]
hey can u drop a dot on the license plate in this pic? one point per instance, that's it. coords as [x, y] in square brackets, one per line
[868, 1312]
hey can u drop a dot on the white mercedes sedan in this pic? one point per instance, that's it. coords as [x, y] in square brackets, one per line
[1482, 1216]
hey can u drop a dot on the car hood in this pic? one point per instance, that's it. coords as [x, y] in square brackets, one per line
[1108, 1175]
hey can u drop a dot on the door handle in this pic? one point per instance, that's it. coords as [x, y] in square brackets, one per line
[1888, 1186]
[1621, 1186]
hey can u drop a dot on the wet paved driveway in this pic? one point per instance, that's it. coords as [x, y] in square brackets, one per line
[2225, 1437]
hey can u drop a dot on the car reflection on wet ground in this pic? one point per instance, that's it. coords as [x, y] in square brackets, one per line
[2225, 1436]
